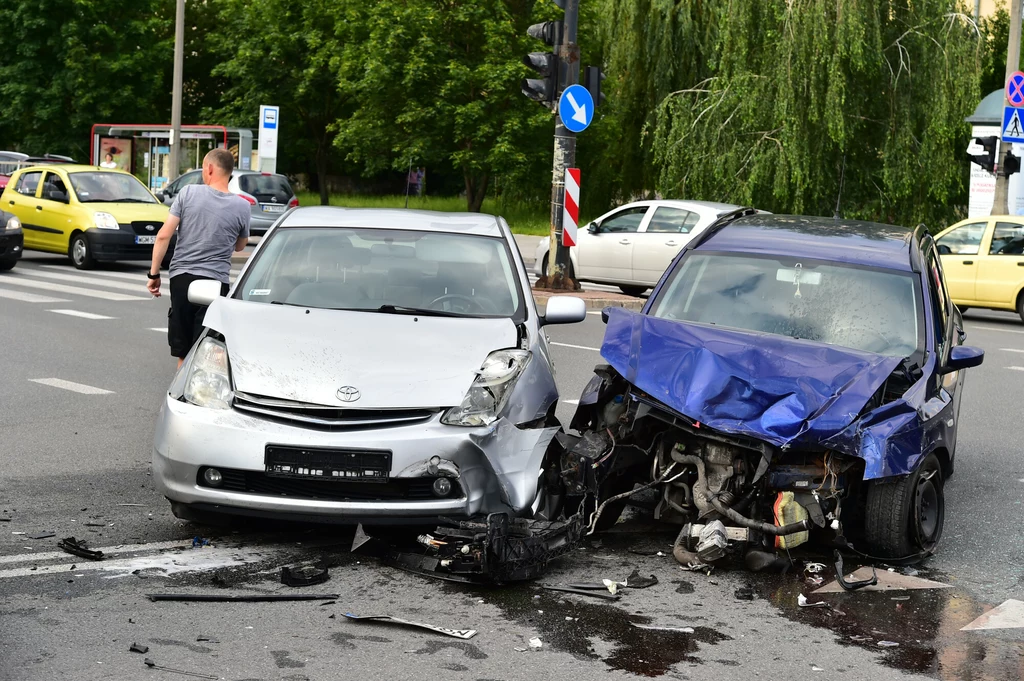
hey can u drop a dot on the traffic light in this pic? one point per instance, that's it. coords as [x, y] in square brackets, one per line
[545, 88]
[592, 77]
[982, 150]
[1011, 164]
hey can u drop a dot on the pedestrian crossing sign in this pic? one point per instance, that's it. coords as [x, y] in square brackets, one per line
[1013, 124]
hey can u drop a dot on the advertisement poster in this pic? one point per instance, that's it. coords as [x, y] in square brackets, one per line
[116, 153]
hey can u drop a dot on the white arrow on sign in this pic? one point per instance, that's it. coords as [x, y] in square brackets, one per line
[579, 112]
[975, 149]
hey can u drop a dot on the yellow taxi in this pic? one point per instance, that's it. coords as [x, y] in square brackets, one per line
[983, 260]
[92, 214]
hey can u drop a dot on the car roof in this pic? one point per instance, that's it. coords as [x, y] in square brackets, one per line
[710, 205]
[853, 242]
[393, 218]
[73, 168]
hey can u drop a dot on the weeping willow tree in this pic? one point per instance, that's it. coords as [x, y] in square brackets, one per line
[780, 103]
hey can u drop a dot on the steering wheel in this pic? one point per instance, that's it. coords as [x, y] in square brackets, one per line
[476, 304]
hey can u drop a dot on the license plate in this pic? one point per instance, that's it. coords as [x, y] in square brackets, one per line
[145, 239]
[273, 208]
[316, 463]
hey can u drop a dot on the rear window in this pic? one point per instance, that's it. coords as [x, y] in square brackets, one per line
[266, 188]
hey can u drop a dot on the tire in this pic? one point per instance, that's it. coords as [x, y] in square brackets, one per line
[8, 264]
[1020, 305]
[904, 516]
[636, 291]
[549, 502]
[962, 309]
[80, 253]
[544, 266]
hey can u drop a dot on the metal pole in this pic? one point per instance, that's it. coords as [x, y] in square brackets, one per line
[977, 10]
[565, 146]
[1000, 202]
[179, 63]
[407, 175]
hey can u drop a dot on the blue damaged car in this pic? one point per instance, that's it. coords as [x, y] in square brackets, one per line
[790, 380]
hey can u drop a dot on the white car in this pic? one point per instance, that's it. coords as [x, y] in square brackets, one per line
[634, 244]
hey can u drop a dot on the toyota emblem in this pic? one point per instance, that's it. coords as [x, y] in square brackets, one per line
[150, 228]
[347, 393]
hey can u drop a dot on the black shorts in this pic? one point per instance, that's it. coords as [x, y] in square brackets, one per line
[185, 320]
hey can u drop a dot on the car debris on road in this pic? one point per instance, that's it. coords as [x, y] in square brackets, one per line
[463, 634]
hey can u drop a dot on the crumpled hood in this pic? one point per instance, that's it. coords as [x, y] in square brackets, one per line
[780, 390]
[395, 361]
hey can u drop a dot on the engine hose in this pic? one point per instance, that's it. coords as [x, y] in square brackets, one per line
[733, 515]
[684, 557]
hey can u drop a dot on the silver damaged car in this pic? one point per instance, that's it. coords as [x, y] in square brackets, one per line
[368, 366]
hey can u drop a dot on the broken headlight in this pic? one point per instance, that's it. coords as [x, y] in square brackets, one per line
[491, 389]
[208, 383]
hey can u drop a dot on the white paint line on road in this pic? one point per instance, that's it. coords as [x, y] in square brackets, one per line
[21, 280]
[158, 328]
[107, 550]
[83, 315]
[1016, 368]
[570, 401]
[29, 297]
[90, 280]
[993, 328]
[595, 312]
[129, 276]
[72, 386]
[1011, 350]
[168, 563]
[577, 347]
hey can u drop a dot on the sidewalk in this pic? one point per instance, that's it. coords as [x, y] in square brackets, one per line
[595, 300]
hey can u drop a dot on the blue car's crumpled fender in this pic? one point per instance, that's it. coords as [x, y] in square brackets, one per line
[780, 390]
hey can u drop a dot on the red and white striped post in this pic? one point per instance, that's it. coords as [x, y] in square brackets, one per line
[571, 210]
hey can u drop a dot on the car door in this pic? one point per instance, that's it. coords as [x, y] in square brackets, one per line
[607, 253]
[959, 249]
[191, 177]
[1001, 265]
[56, 216]
[22, 202]
[660, 240]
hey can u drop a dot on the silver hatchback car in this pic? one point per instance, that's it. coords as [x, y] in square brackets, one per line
[268, 194]
[368, 366]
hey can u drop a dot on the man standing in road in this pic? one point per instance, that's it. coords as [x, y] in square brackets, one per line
[211, 223]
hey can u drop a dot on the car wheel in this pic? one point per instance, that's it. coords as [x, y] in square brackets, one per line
[549, 504]
[633, 290]
[544, 265]
[1020, 305]
[7, 264]
[80, 252]
[904, 516]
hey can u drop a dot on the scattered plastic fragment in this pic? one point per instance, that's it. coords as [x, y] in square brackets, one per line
[744, 594]
[328, 603]
[5, 520]
[861, 639]
[582, 592]
[900, 598]
[888, 644]
[816, 668]
[95, 524]
[387, 619]
[682, 630]
[536, 643]
[153, 665]
[199, 542]
[137, 648]
[241, 598]
[910, 572]
[307, 577]
[42, 535]
[360, 538]
[814, 568]
[802, 601]
[638, 581]
[519, 650]
[206, 639]
[131, 504]
[612, 586]
[17, 533]
[78, 547]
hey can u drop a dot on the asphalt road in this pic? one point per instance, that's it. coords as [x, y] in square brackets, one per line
[85, 364]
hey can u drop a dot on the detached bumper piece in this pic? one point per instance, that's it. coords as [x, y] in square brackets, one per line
[496, 550]
[79, 548]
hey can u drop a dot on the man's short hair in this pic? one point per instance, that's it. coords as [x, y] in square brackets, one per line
[221, 158]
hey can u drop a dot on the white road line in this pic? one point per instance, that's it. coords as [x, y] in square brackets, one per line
[993, 328]
[76, 290]
[72, 386]
[107, 550]
[83, 315]
[91, 280]
[29, 297]
[1016, 368]
[577, 347]
[594, 312]
[158, 328]
[1011, 350]
[130, 276]
[570, 401]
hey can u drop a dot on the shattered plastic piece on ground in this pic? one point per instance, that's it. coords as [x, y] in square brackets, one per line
[78, 547]
[802, 601]
[638, 581]
[307, 577]
[650, 627]
[888, 644]
[519, 650]
[359, 538]
[698, 567]
[199, 542]
[816, 668]
[536, 643]
[206, 639]
[900, 598]
[136, 648]
[855, 584]
[153, 665]
[814, 568]
[612, 587]
[387, 619]
[582, 592]
[746, 594]
[42, 535]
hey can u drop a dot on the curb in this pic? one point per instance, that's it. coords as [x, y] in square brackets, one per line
[541, 297]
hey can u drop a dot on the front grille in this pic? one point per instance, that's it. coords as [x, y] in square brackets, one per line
[397, 489]
[327, 417]
[141, 227]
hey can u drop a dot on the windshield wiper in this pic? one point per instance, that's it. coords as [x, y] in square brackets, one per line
[129, 200]
[426, 312]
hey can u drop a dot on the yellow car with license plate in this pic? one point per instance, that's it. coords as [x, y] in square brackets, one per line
[983, 262]
[91, 214]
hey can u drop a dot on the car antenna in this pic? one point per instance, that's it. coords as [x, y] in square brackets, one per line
[842, 176]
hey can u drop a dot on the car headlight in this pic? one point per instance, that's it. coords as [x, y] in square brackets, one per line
[13, 223]
[491, 389]
[208, 383]
[105, 221]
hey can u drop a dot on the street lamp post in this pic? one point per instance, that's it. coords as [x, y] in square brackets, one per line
[179, 62]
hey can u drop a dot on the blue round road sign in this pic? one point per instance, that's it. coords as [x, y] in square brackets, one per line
[1015, 89]
[576, 108]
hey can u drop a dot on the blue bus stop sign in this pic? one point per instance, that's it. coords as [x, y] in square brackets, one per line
[576, 108]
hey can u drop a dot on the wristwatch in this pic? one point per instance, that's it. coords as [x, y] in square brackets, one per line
[153, 276]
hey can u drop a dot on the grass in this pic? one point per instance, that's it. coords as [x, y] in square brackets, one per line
[523, 219]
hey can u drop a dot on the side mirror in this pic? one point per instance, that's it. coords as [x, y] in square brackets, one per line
[562, 310]
[160, 195]
[945, 250]
[964, 357]
[594, 228]
[203, 291]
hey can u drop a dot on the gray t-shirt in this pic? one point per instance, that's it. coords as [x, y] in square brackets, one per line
[211, 223]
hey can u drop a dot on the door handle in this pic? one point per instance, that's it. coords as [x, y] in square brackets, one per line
[11, 202]
[39, 207]
[1020, 264]
[968, 262]
[625, 242]
[670, 243]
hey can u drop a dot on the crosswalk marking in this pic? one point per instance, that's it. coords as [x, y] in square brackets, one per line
[29, 297]
[71, 385]
[22, 280]
[1011, 350]
[83, 315]
[78, 279]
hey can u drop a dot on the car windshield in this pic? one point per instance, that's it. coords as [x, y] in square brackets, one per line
[266, 188]
[98, 187]
[386, 271]
[853, 307]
